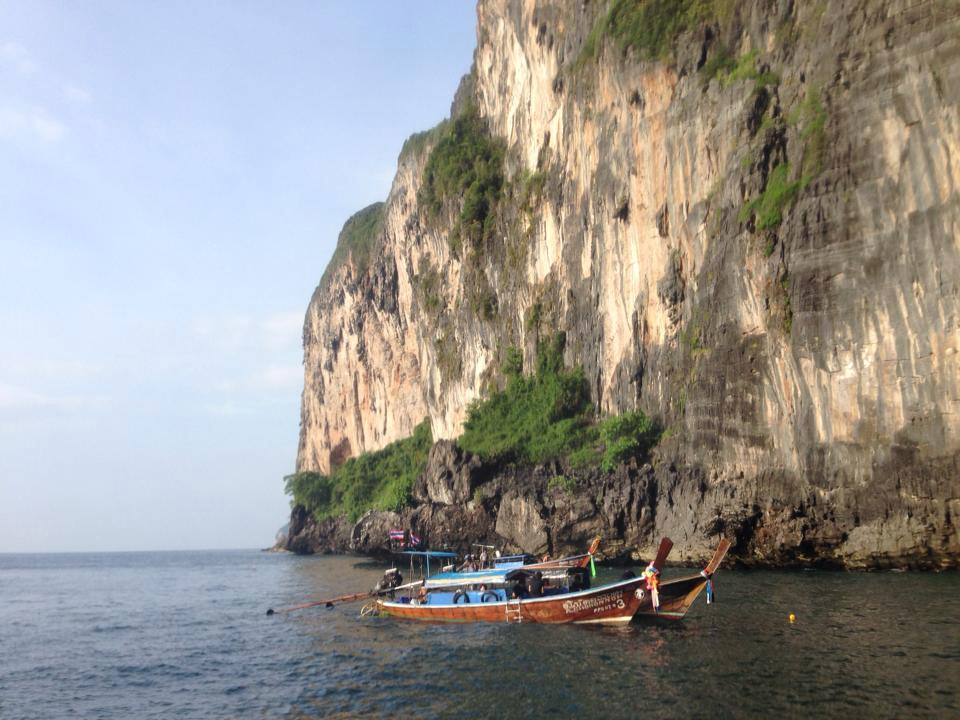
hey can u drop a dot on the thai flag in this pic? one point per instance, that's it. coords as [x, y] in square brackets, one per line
[404, 536]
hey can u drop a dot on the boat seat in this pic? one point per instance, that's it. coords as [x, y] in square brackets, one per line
[446, 598]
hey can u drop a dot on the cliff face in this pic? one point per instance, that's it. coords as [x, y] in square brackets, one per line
[754, 240]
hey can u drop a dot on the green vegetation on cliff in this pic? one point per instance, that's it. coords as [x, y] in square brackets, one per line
[544, 416]
[811, 118]
[537, 417]
[415, 144]
[380, 480]
[650, 27]
[548, 415]
[730, 70]
[770, 204]
[465, 167]
[625, 437]
[782, 186]
[356, 239]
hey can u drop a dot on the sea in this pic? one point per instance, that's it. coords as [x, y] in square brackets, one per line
[186, 635]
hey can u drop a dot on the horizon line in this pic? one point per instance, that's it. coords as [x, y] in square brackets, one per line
[114, 552]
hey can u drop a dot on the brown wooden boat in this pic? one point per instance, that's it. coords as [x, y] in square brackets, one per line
[614, 603]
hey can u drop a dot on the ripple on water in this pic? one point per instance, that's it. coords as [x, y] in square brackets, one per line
[184, 635]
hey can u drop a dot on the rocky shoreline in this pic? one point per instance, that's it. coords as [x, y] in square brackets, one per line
[461, 500]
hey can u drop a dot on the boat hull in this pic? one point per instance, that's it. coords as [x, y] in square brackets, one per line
[676, 598]
[614, 604]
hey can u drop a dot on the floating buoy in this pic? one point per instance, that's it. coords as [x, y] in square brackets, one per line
[792, 617]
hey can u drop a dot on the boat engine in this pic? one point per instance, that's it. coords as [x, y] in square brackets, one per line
[392, 579]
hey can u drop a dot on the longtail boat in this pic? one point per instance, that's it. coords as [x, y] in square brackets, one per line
[611, 604]
[392, 581]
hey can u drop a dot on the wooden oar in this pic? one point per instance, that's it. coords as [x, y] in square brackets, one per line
[329, 603]
[353, 597]
[666, 545]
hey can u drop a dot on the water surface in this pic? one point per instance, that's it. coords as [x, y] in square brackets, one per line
[160, 635]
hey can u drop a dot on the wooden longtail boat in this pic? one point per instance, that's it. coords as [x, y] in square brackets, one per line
[611, 604]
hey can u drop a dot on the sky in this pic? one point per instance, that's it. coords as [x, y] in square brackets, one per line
[173, 177]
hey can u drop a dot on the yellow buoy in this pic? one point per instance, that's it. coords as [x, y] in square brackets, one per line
[792, 617]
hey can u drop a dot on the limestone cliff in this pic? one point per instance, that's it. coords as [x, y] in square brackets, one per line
[753, 236]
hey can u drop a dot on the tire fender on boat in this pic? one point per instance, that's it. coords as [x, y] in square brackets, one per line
[460, 594]
[489, 596]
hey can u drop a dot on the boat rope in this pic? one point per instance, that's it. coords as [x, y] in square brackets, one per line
[650, 574]
[709, 579]
[370, 609]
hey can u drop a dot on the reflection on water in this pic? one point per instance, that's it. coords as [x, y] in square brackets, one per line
[157, 635]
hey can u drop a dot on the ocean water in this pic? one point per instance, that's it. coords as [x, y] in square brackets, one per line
[185, 635]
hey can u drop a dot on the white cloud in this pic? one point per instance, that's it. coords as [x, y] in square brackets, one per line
[34, 365]
[32, 124]
[280, 377]
[77, 95]
[15, 55]
[274, 332]
[15, 400]
[270, 378]
[249, 393]
[259, 359]
[283, 326]
[226, 409]
[29, 120]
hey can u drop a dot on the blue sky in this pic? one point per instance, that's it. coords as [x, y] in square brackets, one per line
[173, 177]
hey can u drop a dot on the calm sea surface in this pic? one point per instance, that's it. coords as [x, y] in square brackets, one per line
[184, 635]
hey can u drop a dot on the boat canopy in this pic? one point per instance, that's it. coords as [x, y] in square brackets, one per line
[496, 576]
[429, 553]
[510, 561]
[456, 579]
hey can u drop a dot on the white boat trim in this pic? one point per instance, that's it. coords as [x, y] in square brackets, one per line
[525, 601]
[605, 621]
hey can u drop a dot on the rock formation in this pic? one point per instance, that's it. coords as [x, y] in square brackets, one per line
[754, 237]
